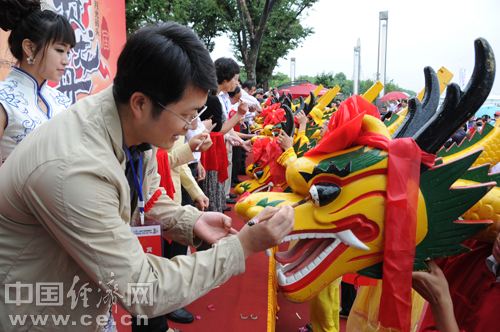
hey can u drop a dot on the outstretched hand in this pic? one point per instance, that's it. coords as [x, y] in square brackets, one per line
[268, 233]
[285, 141]
[433, 287]
[213, 226]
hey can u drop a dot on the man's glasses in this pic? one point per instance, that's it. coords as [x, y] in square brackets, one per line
[188, 123]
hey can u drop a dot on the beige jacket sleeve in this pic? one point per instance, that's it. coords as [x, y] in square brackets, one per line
[180, 155]
[189, 183]
[82, 204]
[178, 221]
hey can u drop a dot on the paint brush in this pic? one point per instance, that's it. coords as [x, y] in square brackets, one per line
[203, 140]
[300, 202]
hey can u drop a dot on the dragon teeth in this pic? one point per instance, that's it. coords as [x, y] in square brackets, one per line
[351, 240]
[346, 237]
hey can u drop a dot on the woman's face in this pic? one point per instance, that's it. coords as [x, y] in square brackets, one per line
[52, 64]
[229, 86]
[236, 98]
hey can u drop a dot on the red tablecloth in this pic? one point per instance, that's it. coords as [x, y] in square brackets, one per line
[215, 158]
[164, 171]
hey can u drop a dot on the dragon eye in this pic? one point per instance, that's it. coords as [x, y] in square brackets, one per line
[258, 174]
[324, 193]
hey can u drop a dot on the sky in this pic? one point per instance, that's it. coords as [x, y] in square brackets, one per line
[420, 33]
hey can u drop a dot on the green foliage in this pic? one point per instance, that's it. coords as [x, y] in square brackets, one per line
[391, 86]
[305, 77]
[281, 33]
[278, 79]
[203, 16]
[364, 85]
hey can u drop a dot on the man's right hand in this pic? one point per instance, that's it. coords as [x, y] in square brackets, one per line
[196, 140]
[242, 107]
[268, 233]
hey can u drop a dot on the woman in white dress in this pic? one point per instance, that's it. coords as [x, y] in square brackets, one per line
[41, 41]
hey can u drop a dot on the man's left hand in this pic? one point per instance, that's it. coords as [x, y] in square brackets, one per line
[202, 202]
[213, 226]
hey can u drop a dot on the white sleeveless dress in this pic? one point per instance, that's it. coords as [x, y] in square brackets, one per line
[19, 93]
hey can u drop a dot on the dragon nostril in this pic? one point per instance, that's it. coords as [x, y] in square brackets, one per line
[324, 193]
[258, 175]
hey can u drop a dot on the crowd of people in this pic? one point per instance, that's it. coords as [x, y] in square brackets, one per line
[70, 189]
[74, 177]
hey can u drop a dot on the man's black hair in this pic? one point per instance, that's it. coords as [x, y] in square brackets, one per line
[162, 61]
[226, 68]
[235, 92]
[249, 84]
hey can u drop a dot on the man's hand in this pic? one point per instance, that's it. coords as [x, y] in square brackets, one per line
[235, 140]
[213, 226]
[196, 140]
[285, 141]
[208, 124]
[202, 202]
[301, 118]
[433, 287]
[201, 173]
[242, 107]
[268, 233]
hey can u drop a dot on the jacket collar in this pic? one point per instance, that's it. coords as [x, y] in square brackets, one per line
[112, 121]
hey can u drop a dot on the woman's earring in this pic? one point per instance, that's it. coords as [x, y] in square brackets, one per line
[31, 60]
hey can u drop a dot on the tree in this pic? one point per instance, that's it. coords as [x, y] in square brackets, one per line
[262, 31]
[266, 31]
[205, 17]
[305, 77]
[278, 79]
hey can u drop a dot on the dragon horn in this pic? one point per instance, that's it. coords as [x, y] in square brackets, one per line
[422, 112]
[414, 110]
[290, 124]
[301, 105]
[287, 102]
[460, 106]
[281, 98]
[312, 102]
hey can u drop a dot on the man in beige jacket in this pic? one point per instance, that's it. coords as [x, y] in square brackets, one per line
[66, 247]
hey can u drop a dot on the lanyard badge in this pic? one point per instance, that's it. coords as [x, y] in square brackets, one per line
[149, 233]
[138, 184]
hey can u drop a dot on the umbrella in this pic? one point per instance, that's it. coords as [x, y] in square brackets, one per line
[302, 90]
[394, 95]
[489, 110]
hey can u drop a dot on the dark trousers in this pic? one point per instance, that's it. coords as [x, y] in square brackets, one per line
[170, 250]
[156, 324]
[236, 162]
[348, 296]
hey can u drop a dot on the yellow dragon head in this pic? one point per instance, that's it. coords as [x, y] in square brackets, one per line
[340, 228]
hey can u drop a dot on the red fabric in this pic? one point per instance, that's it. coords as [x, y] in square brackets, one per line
[164, 171]
[344, 126]
[473, 289]
[259, 151]
[403, 173]
[277, 171]
[273, 118]
[215, 158]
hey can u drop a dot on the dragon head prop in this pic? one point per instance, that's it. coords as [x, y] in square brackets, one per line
[347, 179]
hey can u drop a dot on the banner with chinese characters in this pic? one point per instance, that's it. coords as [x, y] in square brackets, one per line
[100, 35]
